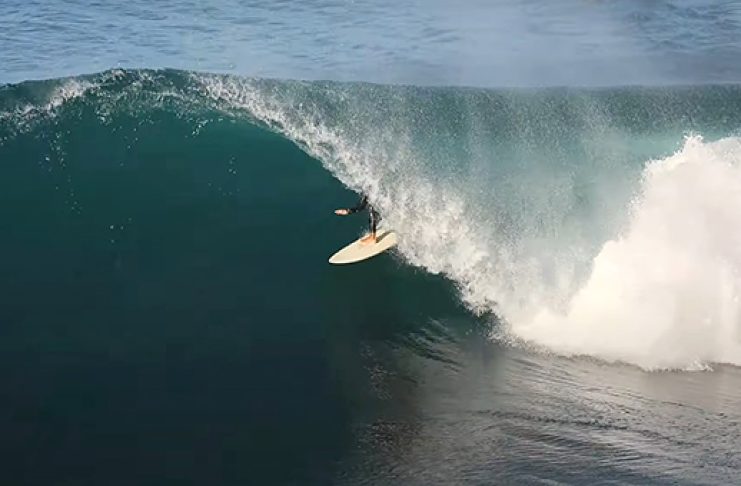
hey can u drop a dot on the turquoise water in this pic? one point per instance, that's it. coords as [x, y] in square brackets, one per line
[562, 307]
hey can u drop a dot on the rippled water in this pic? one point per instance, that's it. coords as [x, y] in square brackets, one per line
[476, 42]
[508, 417]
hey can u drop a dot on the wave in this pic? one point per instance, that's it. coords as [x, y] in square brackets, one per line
[592, 222]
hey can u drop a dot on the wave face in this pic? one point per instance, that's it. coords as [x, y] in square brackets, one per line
[591, 222]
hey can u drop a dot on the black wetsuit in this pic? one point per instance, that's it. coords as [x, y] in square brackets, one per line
[374, 216]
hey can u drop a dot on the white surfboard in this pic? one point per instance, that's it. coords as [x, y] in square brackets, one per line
[356, 251]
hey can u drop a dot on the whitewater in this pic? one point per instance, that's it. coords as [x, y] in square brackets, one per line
[664, 293]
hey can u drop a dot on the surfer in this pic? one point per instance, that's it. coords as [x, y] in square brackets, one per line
[372, 214]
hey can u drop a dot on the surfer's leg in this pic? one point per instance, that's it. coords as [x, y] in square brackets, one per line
[372, 223]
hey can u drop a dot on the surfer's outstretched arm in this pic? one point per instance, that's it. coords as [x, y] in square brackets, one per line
[362, 204]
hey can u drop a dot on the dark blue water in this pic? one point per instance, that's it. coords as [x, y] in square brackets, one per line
[562, 307]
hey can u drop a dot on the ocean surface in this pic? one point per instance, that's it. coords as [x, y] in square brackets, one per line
[562, 308]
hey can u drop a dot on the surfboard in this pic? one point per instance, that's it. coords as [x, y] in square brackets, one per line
[356, 251]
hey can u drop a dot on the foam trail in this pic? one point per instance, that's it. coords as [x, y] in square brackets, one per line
[666, 293]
